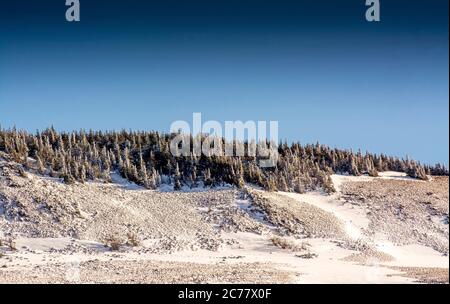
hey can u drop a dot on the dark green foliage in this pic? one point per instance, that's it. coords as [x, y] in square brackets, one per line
[145, 158]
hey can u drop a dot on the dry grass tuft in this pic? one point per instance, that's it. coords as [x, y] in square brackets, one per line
[113, 242]
[133, 239]
[12, 245]
[308, 255]
[285, 243]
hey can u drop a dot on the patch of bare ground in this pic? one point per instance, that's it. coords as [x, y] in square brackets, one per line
[296, 218]
[405, 211]
[95, 271]
[369, 256]
[223, 213]
[429, 275]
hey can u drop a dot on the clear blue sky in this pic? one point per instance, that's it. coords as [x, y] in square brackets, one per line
[320, 69]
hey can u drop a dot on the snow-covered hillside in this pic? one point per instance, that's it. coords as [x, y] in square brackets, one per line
[388, 229]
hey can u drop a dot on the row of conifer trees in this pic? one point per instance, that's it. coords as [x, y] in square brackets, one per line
[145, 158]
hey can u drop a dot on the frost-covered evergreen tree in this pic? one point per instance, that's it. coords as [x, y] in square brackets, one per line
[144, 157]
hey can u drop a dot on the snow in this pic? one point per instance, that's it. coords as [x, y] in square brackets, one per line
[352, 216]
[246, 206]
[355, 221]
[250, 247]
[396, 175]
[413, 255]
[116, 178]
[326, 268]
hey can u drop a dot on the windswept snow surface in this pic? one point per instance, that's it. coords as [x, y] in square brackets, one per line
[356, 223]
[52, 232]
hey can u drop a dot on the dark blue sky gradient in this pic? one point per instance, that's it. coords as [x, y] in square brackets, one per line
[317, 67]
